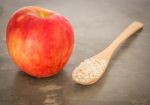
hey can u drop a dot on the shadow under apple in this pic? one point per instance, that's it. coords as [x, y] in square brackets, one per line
[44, 91]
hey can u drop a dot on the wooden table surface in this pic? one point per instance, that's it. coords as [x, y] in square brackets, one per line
[96, 24]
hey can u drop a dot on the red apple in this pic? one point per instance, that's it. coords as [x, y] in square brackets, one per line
[39, 41]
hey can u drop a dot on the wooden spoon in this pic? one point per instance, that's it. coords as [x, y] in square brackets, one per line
[91, 70]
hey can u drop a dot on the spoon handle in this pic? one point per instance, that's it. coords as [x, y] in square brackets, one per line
[129, 31]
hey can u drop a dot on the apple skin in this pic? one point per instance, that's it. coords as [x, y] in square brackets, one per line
[39, 41]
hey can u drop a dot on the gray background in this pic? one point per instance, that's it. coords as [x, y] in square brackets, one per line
[96, 24]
